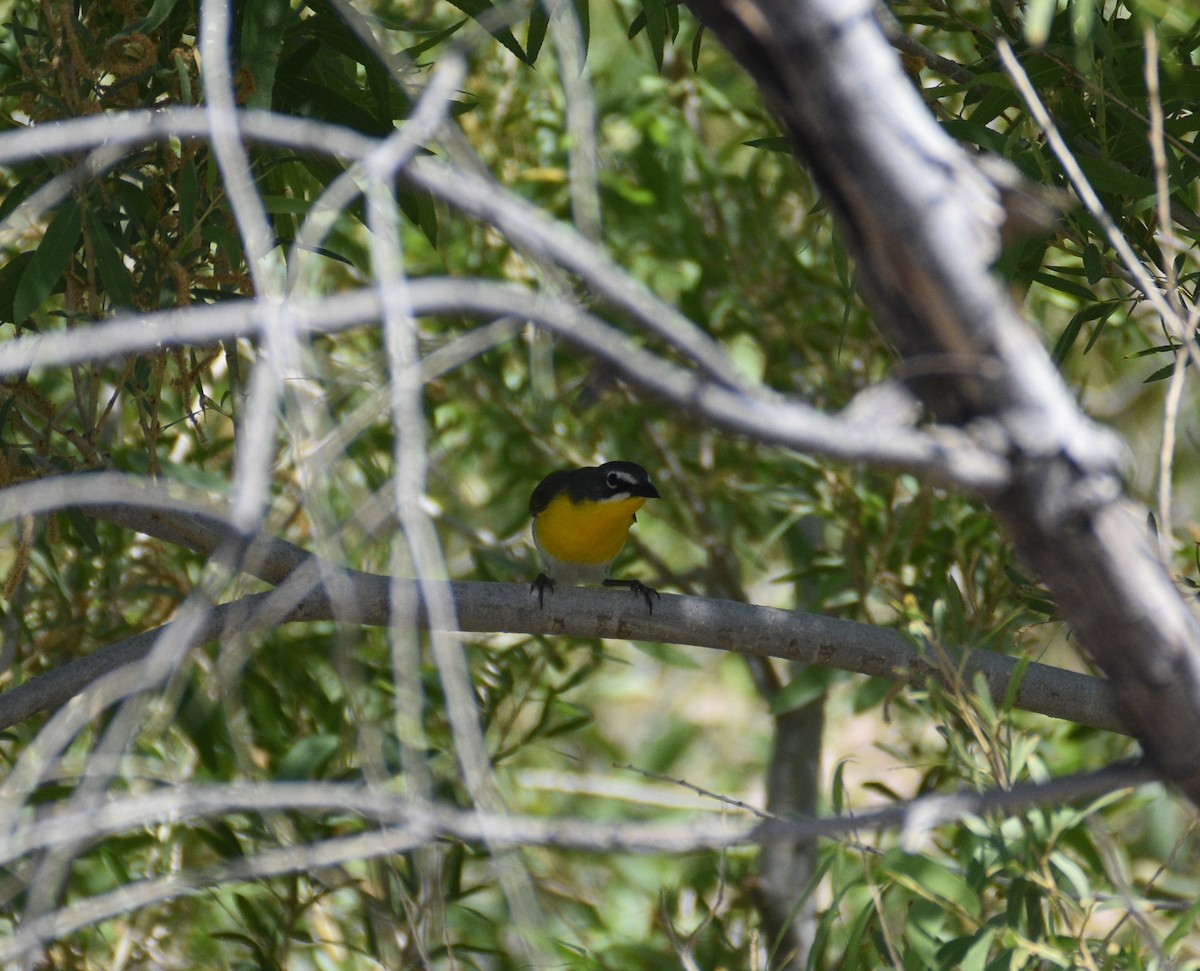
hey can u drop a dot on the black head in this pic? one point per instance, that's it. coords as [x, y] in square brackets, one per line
[612, 481]
[620, 480]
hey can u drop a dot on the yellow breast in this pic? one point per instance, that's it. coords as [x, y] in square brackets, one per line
[585, 532]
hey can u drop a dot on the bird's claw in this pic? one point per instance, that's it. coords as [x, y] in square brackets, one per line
[541, 583]
[637, 588]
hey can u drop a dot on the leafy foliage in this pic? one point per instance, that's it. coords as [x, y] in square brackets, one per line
[697, 208]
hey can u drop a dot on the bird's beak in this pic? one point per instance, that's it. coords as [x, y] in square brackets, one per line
[647, 490]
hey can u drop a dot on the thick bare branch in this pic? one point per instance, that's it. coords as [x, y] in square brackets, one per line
[318, 589]
[923, 223]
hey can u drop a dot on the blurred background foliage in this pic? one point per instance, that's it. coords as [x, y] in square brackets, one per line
[701, 203]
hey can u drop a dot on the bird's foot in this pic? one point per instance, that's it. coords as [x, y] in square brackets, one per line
[638, 589]
[541, 583]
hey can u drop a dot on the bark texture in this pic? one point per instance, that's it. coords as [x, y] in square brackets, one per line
[923, 222]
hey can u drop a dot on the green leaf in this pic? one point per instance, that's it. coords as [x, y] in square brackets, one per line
[857, 932]
[998, 97]
[338, 32]
[50, 260]
[696, 47]
[837, 787]
[1107, 176]
[1182, 928]
[1080, 882]
[379, 83]
[159, 11]
[259, 916]
[584, 15]
[418, 207]
[307, 757]
[414, 52]
[1070, 333]
[535, 34]
[137, 203]
[656, 28]
[1093, 264]
[1161, 374]
[1154, 350]
[189, 193]
[219, 837]
[1039, 15]
[263, 22]
[82, 527]
[870, 692]
[1101, 323]
[486, 16]
[808, 685]
[983, 698]
[226, 239]
[308, 98]
[1083, 16]
[20, 192]
[285, 205]
[1014, 683]
[776, 143]
[10, 278]
[931, 880]
[300, 57]
[975, 958]
[203, 722]
[110, 267]
[185, 81]
[975, 133]
[5, 409]
[1063, 285]
[1066, 340]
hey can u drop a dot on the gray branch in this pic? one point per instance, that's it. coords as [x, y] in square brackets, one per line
[406, 823]
[315, 589]
[923, 222]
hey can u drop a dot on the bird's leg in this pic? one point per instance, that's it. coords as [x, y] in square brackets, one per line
[541, 583]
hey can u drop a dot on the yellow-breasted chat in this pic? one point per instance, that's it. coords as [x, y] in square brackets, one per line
[581, 518]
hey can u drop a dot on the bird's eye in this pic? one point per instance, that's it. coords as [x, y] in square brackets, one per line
[614, 480]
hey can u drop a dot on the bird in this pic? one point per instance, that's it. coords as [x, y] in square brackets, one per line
[581, 518]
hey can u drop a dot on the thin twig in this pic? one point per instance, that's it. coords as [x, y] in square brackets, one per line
[1170, 247]
[1087, 195]
[943, 454]
[700, 791]
[410, 824]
